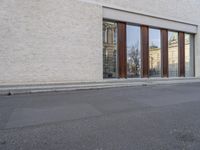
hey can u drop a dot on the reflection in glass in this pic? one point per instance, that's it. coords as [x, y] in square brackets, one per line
[133, 51]
[110, 50]
[189, 55]
[173, 53]
[154, 53]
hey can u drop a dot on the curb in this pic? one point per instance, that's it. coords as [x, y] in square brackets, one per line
[29, 89]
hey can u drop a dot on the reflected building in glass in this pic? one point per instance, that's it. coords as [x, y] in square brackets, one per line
[173, 54]
[154, 53]
[189, 53]
[110, 50]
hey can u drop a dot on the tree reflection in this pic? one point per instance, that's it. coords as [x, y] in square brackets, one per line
[133, 62]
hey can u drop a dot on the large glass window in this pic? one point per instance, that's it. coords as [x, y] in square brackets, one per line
[133, 51]
[189, 70]
[110, 50]
[126, 53]
[154, 53]
[173, 54]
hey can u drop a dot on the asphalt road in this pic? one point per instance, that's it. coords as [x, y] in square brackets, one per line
[133, 118]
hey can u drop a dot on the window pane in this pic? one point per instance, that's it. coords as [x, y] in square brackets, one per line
[189, 55]
[173, 53]
[154, 53]
[133, 51]
[110, 50]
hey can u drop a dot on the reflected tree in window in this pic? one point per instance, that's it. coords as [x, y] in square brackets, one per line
[133, 52]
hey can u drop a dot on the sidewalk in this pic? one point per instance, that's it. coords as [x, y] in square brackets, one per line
[107, 83]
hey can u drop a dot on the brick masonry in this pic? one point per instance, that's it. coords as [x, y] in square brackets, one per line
[48, 41]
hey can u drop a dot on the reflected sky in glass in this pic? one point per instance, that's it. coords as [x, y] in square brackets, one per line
[154, 36]
[133, 36]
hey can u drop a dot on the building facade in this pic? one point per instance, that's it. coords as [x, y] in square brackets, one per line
[48, 41]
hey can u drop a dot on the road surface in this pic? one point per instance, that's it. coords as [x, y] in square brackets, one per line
[160, 117]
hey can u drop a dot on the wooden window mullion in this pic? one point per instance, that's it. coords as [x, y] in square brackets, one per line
[164, 52]
[145, 51]
[122, 50]
[181, 54]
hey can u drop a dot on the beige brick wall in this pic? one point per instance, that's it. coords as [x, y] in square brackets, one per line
[50, 41]
[185, 10]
